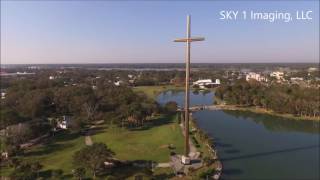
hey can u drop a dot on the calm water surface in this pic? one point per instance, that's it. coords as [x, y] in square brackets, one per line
[255, 146]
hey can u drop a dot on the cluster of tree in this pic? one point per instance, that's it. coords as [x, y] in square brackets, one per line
[32, 107]
[24, 169]
[92, 158]
[290, 99]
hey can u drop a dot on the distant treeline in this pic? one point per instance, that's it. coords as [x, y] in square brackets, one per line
[256, 66]
[290, 99]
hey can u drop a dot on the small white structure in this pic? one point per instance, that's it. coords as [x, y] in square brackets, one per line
[118, 83]
[255, 76]
[4, 155]
[296, 79]
[277, 74]
[205, 83]
[130, 76]
[63, 124]
[312, 69]
[51, 77]
[3, 95]
[185, 160]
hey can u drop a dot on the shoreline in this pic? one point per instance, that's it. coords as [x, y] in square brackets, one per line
[259, 110]
[208, 144]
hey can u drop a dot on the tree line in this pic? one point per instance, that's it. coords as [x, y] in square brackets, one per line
[280, 98]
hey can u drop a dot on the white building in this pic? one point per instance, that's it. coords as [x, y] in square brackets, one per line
[205, 83]
[256, 76]
[277, 74]
[130, 76]
[296, 79]
[64, 123]
[118, 83]
[312, 69]
[3, 95]
[51, 77]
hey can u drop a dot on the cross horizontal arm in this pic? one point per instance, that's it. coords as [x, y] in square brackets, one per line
[189, 39]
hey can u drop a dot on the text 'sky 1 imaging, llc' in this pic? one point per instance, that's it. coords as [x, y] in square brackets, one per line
[274, 16]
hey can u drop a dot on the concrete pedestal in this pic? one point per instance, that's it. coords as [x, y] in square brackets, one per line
[185, 160]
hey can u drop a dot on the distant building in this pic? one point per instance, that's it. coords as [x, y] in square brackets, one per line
[3, 95]
[24, 73]
[277, 74]
[51, 77]
[256, 76]
[118, 83]
[296, 79]
[131, 81]
[312, 69]
[130, 76]
[206, 83]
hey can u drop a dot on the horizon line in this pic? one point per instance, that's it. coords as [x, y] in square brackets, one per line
[163, 63]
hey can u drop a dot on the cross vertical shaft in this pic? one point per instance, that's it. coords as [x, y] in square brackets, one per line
[186, 108]
[188, 41]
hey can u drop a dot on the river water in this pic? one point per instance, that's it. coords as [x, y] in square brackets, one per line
[255, 146]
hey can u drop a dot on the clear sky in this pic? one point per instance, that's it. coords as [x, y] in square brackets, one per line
[143, 31]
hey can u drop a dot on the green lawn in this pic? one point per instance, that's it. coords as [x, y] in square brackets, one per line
[57, 154]
[150, 143]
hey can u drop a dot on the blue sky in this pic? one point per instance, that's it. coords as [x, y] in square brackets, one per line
[142, 31]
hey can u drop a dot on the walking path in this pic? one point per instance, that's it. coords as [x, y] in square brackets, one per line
[164, 165]
[88, 141]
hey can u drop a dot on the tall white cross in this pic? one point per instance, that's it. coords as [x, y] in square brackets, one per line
[188, 40]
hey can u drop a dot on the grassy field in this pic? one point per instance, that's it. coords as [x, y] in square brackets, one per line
[56, 154]
[153, 91]
[148, 143]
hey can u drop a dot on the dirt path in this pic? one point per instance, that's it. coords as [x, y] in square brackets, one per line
[88, 140]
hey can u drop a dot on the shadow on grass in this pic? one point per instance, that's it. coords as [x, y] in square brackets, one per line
[47, 149]
[96, 130]
[167, 119]
[129, 170]
[64, 136]
[52, 144]
[47, 174]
